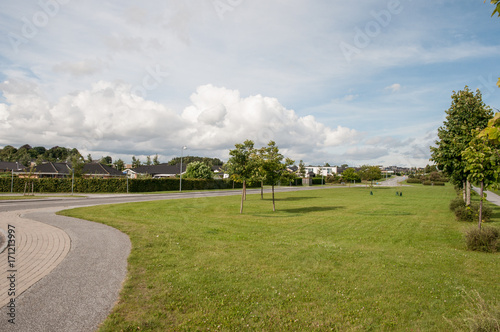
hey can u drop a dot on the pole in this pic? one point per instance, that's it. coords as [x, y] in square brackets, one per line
[127, 183]
[72, 181]
[180, 171]
[12, 182]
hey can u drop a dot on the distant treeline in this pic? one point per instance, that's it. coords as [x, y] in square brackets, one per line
[25, 154]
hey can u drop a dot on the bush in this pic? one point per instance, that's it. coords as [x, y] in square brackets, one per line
[456, 203]
[471, 213]
[487, 239]
[413, 180]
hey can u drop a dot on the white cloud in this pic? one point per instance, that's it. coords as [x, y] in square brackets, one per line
[394, 88]
[109, 117]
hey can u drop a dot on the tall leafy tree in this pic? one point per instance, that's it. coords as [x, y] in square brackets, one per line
[241, 165]
[119, 165]
[370, 173]
[350, 175]
[135, 162]
[466, 113]
[155, 160]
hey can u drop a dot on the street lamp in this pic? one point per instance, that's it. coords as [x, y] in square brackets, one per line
[182, 154]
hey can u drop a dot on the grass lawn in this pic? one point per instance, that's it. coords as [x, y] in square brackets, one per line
[331, 259]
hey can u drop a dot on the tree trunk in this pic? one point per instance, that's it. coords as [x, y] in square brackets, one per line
[464, 192]
[261, 189]
[274, 206]
[245, 190]
[467, 191]
[481, 205]
[242, 197]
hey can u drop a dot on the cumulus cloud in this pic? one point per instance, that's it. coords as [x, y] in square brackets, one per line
[109, 117]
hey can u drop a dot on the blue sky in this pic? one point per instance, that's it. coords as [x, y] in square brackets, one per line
[363, 82]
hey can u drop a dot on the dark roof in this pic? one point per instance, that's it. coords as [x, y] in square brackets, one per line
[9, 166]
[160, 169]
[53, 168]
[100, 169]
[65, 168]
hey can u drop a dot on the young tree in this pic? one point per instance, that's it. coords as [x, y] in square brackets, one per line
[466, 113]
[148, 161]
[155, 160]
[241, 165]
[272, 165]
[89, 158]
[302, 169]
[482, 167]
[198, 170]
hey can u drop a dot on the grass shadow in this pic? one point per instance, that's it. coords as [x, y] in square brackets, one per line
[313, 209]
[289, 199]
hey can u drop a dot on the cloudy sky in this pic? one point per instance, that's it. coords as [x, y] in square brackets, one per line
[356, 82]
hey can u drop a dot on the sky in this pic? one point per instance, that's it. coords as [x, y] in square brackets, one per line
[338, 82]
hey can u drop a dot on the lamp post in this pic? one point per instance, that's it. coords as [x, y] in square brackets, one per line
[180, 171]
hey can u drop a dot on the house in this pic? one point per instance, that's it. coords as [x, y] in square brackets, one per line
[98, 170]
[312, 171]
[156, 171]
[64, 170]
[8, 166]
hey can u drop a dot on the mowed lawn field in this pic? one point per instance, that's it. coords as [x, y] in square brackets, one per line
[331, 259]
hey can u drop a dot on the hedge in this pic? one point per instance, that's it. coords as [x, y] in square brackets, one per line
[430, 183]
[81, 185]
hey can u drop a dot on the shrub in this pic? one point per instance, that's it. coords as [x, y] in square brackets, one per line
[413, 180]
[456, 203]
[427, 183]
[471, 213]
[487, 239]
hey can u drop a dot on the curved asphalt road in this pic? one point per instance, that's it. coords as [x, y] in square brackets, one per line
[79, 293]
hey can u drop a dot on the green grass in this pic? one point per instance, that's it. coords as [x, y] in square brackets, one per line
[335, 259]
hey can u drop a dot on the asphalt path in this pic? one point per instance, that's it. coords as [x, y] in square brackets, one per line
[81, 291]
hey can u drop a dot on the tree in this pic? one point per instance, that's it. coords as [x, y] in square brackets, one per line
[302, 169]
[482, 166]
[135, 162]
[148, 161]
[155, 160]
[77, 163]
[497, 8]
[497, 11]
[370, 173]
[466, 113]
[198, 170]
[272, 166]
[119, 165]
[241, 165]
[89, 158]
[106, 160]
[350, 175]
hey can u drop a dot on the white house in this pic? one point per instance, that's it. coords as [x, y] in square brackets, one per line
[321, 170]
